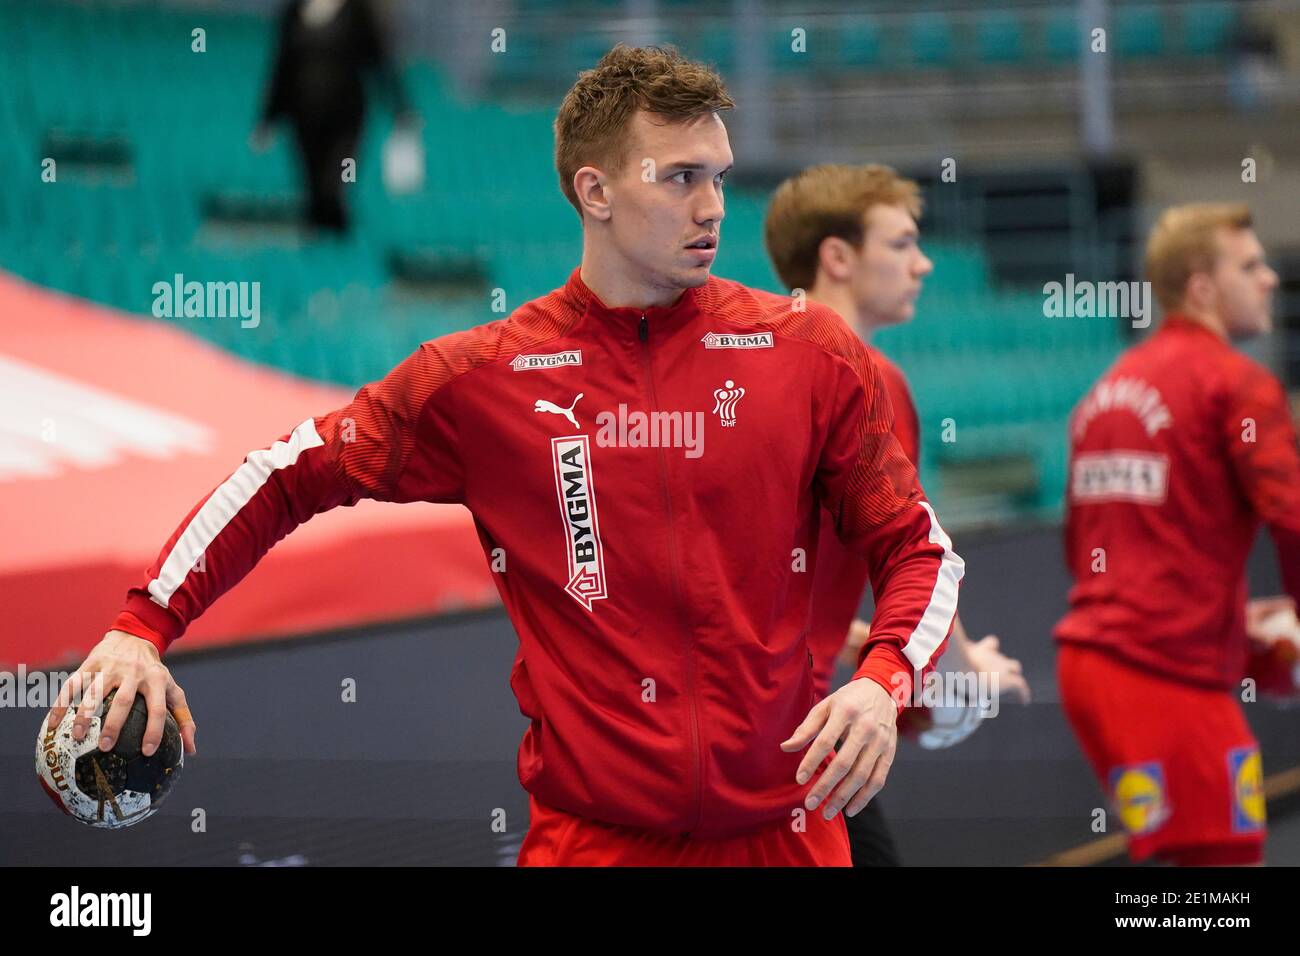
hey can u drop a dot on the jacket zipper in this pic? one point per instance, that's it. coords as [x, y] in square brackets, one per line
[644, 335]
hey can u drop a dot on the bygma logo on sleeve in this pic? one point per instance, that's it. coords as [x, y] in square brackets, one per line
[103, 909]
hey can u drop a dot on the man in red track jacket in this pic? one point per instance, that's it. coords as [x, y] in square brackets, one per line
[1177, 454]
[651, 447]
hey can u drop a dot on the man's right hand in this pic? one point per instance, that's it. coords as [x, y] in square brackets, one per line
[1260, 610]
[131, 665]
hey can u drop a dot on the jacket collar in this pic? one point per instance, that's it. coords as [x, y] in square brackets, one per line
[1179, 322]
[659, 318]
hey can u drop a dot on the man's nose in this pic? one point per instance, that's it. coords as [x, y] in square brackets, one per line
[712, 210]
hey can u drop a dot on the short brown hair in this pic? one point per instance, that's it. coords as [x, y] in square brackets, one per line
[591, 125]
[823, 201]
[1183, 241]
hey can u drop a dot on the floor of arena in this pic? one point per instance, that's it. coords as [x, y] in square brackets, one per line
[415, 771]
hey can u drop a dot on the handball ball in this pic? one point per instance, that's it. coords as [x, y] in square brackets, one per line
[117, 788]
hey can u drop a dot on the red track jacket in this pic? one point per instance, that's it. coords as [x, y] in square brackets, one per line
[655, 479]
[1177, 454]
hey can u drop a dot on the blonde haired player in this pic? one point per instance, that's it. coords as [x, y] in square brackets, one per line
[847, 237]
[1178, 453]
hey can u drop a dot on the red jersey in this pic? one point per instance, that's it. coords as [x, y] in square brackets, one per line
[840, 575]
[649, 477]
[1176, 454]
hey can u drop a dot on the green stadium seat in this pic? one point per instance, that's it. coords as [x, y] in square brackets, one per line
[782, 55]
[1063, 41]
[859, 44]
[1207, 28]
[715, 46]
[584, 51]
[1000, 38]
[1052, 464]
[929, 40]
[1138, 32]
[524, 55]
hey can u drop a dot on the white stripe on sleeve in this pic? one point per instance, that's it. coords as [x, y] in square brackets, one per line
[224, 503]
[934, 623]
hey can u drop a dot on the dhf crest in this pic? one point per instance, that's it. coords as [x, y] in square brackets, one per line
[725, 400]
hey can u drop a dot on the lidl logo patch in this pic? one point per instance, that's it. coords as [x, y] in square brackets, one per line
[1140, 796]
[1246, 774]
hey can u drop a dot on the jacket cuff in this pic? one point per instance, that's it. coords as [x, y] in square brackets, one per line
[145, 619]
[887, 666]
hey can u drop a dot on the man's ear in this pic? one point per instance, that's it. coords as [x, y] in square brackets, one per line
[592, 191]
[1200, 290]
[834, 258]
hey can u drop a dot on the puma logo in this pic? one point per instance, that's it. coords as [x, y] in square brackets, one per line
[542, 405]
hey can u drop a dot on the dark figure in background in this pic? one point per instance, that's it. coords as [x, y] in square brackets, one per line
[325, 49]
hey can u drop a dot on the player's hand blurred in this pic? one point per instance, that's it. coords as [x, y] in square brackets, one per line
[130, 664]
[859, 631]
[1258, 610]
[863, 715]
[261, 138]
[984, 657]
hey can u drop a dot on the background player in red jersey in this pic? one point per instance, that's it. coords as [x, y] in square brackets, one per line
[663, 657]
[1178, 452]
[847, 237]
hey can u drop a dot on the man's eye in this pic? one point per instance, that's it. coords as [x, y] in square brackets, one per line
[685, 175]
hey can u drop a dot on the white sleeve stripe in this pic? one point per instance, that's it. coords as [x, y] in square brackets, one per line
[222, 506]
[936, 620]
